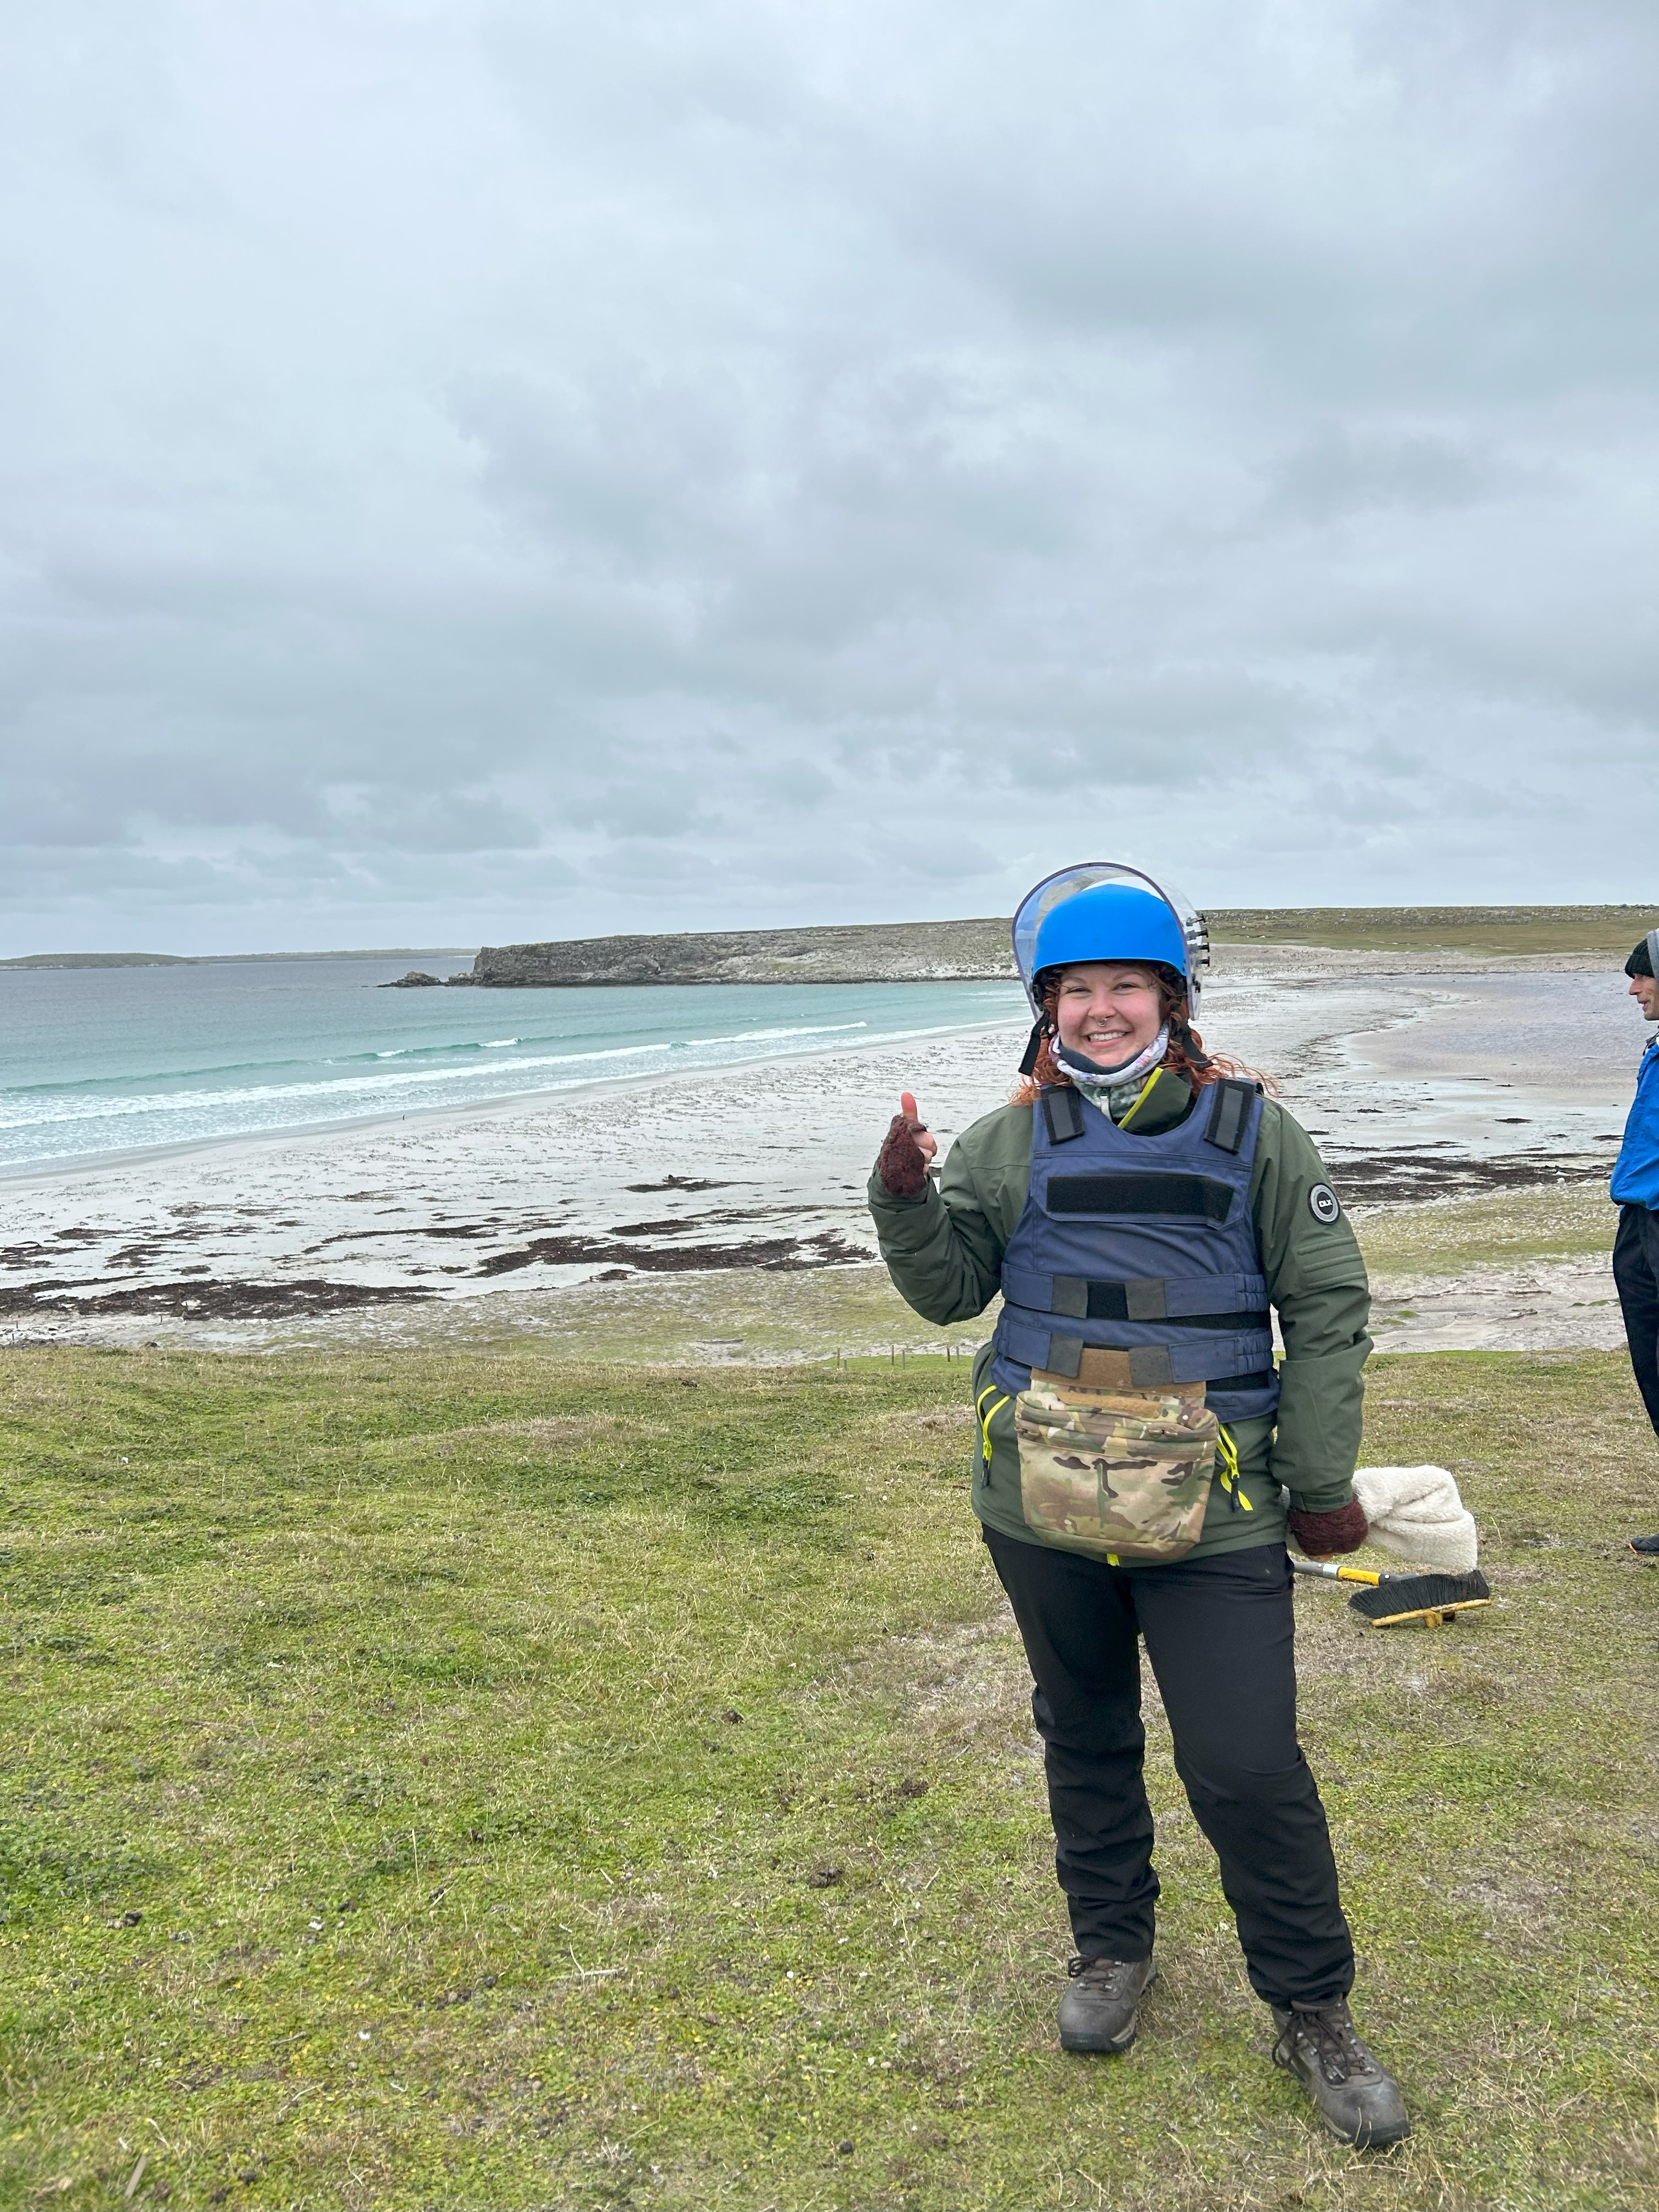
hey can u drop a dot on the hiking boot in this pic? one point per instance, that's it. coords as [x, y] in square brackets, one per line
[1354, 2096]
[1647, 1547]
[1097, 2012]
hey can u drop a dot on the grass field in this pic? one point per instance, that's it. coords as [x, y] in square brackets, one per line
[1501, 1229]
[502, 1782]
[1485, 929]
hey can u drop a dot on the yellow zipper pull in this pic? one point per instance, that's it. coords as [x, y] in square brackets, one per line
[1227, 1453]
[986, 1417]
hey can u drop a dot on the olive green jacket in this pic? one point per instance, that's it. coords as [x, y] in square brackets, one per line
[944, 1251]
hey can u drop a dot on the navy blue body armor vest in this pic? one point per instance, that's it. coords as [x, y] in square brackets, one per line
[1144, 1245]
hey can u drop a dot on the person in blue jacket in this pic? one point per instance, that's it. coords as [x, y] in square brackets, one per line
[1636, 1194]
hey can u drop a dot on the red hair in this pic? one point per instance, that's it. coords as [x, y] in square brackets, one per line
[1184, 1056]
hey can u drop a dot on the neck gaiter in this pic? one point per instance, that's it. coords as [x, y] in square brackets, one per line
[1100, 1086]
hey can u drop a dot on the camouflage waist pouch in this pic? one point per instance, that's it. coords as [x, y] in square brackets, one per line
[1120, 1474]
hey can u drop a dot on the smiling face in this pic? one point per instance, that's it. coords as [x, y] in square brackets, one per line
[1107, 1012]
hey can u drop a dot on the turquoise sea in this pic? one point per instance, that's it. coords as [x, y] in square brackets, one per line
[95, 1062]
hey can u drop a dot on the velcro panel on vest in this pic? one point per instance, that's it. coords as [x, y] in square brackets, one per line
[1099, 1368]
[1149, 1364]
[1145, 1300]
[1062, 1109]
[1198, 1300]
[1087, 1301]
[1193, 1197]
[1145, 1366]
[1229, 1116]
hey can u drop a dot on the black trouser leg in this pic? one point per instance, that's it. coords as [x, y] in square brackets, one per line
[1636, 1278]
[1219, 1635]
[1077, 1620]
[1223, 1650]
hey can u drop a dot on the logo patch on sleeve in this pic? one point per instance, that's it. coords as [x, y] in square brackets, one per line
[1323, 1205]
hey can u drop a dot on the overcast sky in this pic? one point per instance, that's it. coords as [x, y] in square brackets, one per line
[476, 470]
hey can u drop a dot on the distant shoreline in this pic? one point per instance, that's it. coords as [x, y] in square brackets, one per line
[34, 962]
[979, 950]
[968, 950]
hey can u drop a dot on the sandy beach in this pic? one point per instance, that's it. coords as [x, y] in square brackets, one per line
[528, 1214]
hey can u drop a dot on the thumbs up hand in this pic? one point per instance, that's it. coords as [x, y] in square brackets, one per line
[902, 1163]
[927, 1144]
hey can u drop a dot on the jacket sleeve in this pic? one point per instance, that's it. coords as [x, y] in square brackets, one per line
[1636, 1173]
[1317, 1280]
[942, 1251]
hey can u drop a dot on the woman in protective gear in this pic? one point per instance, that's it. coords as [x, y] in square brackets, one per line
[1140, 1206]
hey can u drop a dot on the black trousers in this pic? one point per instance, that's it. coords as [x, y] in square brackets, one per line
[1636, 1278]
[1219, 1636]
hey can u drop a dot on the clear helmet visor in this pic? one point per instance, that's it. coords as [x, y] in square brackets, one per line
[1053, 891]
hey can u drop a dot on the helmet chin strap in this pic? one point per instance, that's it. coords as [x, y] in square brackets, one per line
[1089, 1075]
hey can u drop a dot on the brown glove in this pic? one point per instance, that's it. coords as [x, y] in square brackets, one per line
[1321, 1535]
[901, 1165]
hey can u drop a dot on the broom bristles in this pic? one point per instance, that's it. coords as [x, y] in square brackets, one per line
[1399, 1594]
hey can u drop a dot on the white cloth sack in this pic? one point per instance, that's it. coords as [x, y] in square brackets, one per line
[1417, 1512]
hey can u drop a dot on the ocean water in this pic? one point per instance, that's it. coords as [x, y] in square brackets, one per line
[95, 1062]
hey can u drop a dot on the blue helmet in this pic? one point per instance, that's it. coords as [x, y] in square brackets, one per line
[1108, 910]
[1111, 921]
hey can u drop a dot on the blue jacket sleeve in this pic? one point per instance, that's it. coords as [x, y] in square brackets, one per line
[1636, 1177]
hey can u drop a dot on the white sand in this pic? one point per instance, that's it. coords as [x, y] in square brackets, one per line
[1541, 1305]
[453, 1204]
[433, 1201]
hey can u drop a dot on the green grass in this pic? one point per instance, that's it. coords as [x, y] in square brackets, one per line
[733, 1315]
[1486, 929]
[1506, 1228]
[546, 1784]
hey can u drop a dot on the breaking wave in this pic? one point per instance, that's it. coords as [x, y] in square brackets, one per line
[323, 1063]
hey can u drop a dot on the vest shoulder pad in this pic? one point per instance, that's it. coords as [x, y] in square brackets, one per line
[1229, 1116]
[1062, 1109]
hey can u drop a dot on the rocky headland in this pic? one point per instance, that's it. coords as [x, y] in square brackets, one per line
[867, 952]
[1284, 942]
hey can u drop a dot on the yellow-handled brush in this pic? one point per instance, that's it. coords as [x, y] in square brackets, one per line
[1388, 1600]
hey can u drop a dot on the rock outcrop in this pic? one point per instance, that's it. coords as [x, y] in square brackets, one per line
[418, 980]
[868, 952]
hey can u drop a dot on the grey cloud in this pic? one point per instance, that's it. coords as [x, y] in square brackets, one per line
[541, 469]
[668, 806]
[795, 784]
[1339, 472]
[426, 822]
